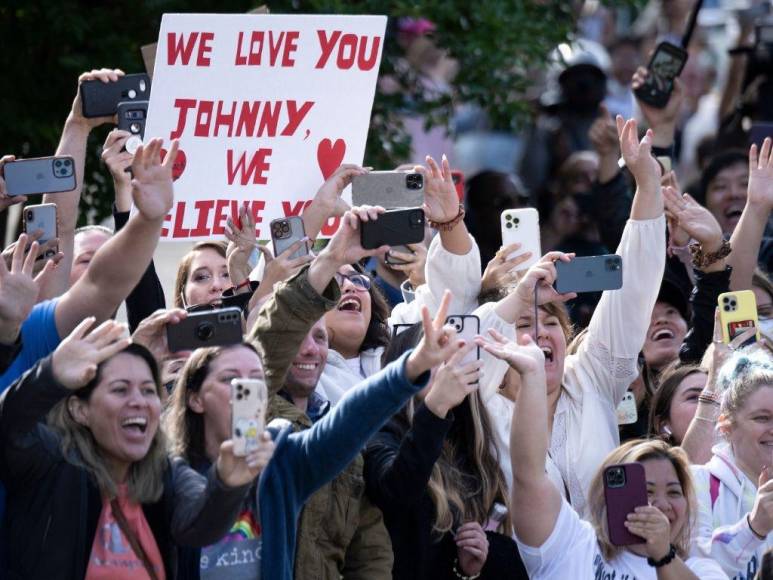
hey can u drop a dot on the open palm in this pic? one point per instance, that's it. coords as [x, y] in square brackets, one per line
[761, 174]
[152, 188]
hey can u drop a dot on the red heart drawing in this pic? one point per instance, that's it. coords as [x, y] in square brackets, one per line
[330, 155]
[179, 164]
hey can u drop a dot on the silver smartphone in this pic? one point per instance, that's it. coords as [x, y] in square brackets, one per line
[39, 175]
[249, 398]
[42, 217]
[389, 189]
[467, 327]
[285, 232]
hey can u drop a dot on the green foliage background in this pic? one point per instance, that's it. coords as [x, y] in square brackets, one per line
[47, 44]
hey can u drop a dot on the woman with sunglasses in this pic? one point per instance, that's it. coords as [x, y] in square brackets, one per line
[91, 491]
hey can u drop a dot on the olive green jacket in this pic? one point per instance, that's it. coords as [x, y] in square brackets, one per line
[340, 533]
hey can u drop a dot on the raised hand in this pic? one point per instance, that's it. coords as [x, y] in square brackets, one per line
[49, 249]
[118, 161]
[441, 203]
[151, 332]
[502, 270]
[652, 525]
[235, 471]
[5, 199]
[331, 190]
[677, 237]
[692, 218]
[603, 134]
[660, 120]
[77, 357]
[453, 382]
[105, 75]
[542, 276]
[152, 188]
[638, 154]
[760, 189]
[471, 548]
[241, 242]
[19, 289]
[437, 345]
[525, 357]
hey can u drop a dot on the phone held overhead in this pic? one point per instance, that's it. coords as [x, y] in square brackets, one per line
[39, 175]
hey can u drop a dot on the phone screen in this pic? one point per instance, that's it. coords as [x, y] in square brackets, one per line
[664, 68]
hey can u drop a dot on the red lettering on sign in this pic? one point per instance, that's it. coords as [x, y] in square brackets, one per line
[182, 48]
[256, 170]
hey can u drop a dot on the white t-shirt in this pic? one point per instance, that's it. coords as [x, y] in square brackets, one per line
[572, 551]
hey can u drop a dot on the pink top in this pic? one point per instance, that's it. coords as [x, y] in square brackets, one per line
[112, 557]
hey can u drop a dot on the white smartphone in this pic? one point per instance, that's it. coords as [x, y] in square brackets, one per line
[42, 217]
[249, 399]
[467, 327]
[522, 226]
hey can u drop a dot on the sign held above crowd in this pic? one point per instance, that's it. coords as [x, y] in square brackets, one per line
[265, 107]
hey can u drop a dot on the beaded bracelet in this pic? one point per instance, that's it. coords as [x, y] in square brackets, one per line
[709, 397]
[450, 224]
[462, 576]
[701, 259]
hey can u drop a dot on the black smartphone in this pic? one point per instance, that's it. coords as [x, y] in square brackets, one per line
[590, 274]
[665, 65]
[131, 118]
[100, 99]
[393, 228]
[39, 175]
[220, 327]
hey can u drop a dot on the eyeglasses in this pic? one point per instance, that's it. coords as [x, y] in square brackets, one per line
[360, 282]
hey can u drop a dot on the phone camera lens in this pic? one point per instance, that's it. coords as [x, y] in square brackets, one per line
[239, 396]
[516, 220]
[508, 225]
[725, 299]
[508, 217]
[205, 331]
[57, 163]
[134, 127]
[30, 216]
[67, 162]
[246, 392]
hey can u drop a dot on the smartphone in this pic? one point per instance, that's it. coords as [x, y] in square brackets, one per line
[39, 175]
[625, 489]
[400, 328]
[590, 274]
[393, 228]
[627, 413]
[285, 232]
[496, 516]
[42, 217]
[131, 117]
[100, 99]
[665, 65]
[249, 399]
[467, 327]
[392, 261]
[219, 327]
[737, 312]
[458, 179]
[522, 226]
[389, 189]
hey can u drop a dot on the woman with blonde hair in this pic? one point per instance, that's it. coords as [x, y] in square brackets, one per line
[735, 491]
[552, 539]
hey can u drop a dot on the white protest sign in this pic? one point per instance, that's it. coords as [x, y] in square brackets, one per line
[265, 108]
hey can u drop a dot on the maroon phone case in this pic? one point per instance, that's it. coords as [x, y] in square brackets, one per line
[623, 500]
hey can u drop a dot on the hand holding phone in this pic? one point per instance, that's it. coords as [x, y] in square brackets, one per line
[666, 64]
[132, 116]
[285, 232]
[388, 189]
[42, 217]
[625, 489]
[249, 399]
[521, 226]
[100, 99]
[738, 313]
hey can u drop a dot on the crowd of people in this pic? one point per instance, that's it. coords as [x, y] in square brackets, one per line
[391, 450]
